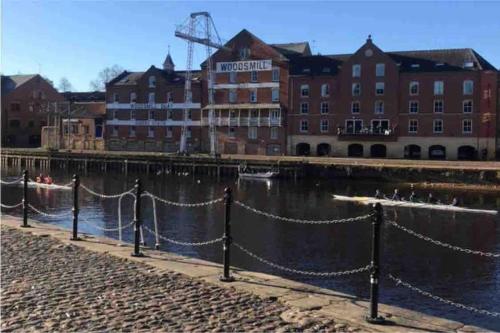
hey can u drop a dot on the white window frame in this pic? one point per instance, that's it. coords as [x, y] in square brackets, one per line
[415, 123]
[151, 132]
[233, 77]
[232, 96]
[189, 132]
[471, 106]
[275, 94]
[151, 114]
[325, 90]
[170, 98]
[151, 98]
[434, 106]
[324, 126]
[359, 107]
[116, 98]
[114, 131]
[466, 86]
[152, 81]
[169, 132]
[463, 126]
[254, 76]
[434, 122]
[301, 126]
[410, 103]
[252, 133]
[231, 132]
[354, 121]
[356, 70]
[324, 108]
[132, 114]
[376, 109]
[133, 98]
[304, 90]
[414, 84]
[275, 114]
[302, 104]
[379, 86]
[170, 114]
[380, 122]
[274, 133]
[276, 74]
[380, 70]
[253, 96]
[353, 90]
[114, 114]
[131, 131]
[438, 88]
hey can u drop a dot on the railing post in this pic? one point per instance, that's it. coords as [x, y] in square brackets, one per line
[227, 240]
[373, 317]
[25, 199]
[76, 208]
[137, 220]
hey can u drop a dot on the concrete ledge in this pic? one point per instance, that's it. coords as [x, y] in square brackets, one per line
[304, 300]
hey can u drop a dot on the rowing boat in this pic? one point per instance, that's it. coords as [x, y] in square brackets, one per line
[395, 203]
[261, 175]
[48, 186]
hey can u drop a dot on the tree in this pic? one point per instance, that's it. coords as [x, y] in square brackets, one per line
[65, 85]
[104, 76]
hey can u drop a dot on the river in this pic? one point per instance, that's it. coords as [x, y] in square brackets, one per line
[464, 278]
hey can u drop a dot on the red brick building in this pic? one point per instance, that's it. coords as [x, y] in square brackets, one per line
[26, 102]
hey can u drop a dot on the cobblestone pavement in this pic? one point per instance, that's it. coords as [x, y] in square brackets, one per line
[50, 286]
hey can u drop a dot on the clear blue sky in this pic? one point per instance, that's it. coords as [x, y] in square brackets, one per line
[77, 39]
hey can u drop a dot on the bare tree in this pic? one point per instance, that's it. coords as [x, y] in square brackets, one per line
[104, 76]
[65, 85]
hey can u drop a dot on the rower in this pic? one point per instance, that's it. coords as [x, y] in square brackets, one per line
[378, 194]
[48, 180]
[396, 195]
[413, 196]
[39, 179]
[454, 202]
[431, 199]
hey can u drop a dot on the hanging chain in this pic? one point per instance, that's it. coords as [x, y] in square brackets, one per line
[36, 210]
[289, 219]
[296, 271]
[436, 242]
[440, 299]
[6, 182]
[180, 204]
[11, 207]
[107, 229]
[173, 241]
[105, 196]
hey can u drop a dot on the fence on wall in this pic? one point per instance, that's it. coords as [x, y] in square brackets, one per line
[376, 217]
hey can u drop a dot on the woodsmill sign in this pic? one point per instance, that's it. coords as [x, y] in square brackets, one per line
[244, 66]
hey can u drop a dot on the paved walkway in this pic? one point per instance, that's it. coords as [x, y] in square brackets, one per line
[50, 286]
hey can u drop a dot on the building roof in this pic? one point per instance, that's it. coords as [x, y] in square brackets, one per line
[86, 110]
[130, 78]
[90, 96]
[314, 65]
[290, 49]
[11, 82]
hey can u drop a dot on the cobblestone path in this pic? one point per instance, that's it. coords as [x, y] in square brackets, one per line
[50, 286]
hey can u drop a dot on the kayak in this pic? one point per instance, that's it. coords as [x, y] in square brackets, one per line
[396, 203]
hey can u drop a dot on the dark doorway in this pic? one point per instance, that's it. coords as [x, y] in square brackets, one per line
[303, 149]
[323, 149]
[467, 153]
[355, 150]
[437, 152]
[378, 151]
[413, 152]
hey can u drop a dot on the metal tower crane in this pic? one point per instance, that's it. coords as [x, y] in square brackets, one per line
[199, 28]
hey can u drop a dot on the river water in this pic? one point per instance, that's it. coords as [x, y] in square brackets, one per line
[464, 278]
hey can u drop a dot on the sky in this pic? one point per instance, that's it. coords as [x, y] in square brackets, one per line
[77, 39]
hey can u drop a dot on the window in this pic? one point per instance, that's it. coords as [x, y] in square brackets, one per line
[253, 76]
[74, 128]
[232, 77]
[169, 133]
[132, 114]
[189, 133]
[14, 123]
[304, 126]
[380, 70]
[170, 98]
[274, 133]
[323, 126]
[232, 132]
[413, 107]
[152, 81]
[412, 126]
[190, 114]
[131, 131]
[356, 89]
[304, 108]
[356, 70]
[324, 108]
[380, 126]
[275, 94]
[232, 96]
[114, 131]
[276, 74]
[468, 87]
[15, 107]
[437, 126]
[467, 126]
[170, 114]
[275, 114]
[467, 106]
[414, 88]
[253, 96]
[252, 133]
[86, 129]
[151, 132]
[31, 107]
[244, 53]
[325, 90]
[438, 87]
[379, 107]
[151, 98]
[438, 106]
[114, 114]
[115, 98]
[354, 126]
[304, 90]
[379, 88]
[133, 97]
[355, 107]
[31, 123]
[151, 115]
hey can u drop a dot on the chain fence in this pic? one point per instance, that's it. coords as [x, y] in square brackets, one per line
[440, 299]
[95, 225]
[36, 210]
[303, 221]
[296, 271]
[439, 243]
[182, 204]
[11, 206]
[105, 196]
[155, 218]
[173, 241]
[123, 195]
[11, 182]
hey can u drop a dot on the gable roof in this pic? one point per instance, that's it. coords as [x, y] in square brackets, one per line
[131, 78]
[289, 49]
[12, 82]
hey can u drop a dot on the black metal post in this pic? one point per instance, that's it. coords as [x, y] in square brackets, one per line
[374, 318]
[25, 199]
[137, 220]
[227, 240]
[76, 208]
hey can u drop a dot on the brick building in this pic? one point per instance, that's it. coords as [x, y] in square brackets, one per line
[26, 102]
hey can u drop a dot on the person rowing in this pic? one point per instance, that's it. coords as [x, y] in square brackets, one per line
[454, 202]
[48, 180]
[431, 199]
[396, 196]
[40, 178]
[379, 195]
[413, 197]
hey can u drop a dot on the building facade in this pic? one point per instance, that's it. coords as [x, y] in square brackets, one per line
[27, 101]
